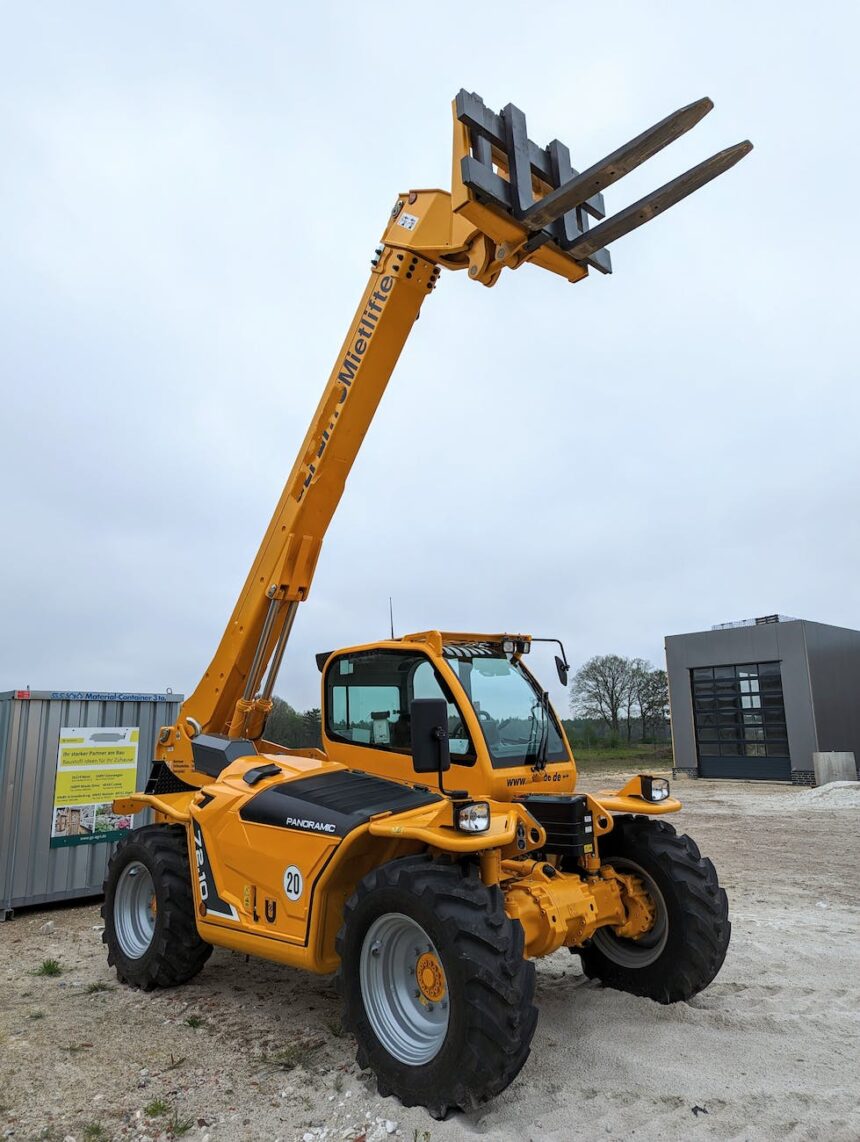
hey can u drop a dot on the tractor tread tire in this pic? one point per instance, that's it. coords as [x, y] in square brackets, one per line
[699, 926]
[496, 1015]
[177, 953]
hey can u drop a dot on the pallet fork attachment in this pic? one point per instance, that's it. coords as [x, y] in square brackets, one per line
[500, 168]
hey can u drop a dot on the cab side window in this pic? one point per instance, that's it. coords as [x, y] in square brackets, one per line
[368, 695]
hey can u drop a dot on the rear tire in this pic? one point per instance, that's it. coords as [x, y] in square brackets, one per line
[686, 948]
[434, 985]
[150, 929]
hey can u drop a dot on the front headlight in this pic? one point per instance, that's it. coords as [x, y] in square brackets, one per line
[473, 818]
[654, 788]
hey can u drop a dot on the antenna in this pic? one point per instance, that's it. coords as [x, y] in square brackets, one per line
[391, 615]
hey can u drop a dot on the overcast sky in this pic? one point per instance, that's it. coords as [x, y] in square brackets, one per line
[189, 196]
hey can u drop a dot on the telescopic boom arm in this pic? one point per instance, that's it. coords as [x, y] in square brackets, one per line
[511, 202]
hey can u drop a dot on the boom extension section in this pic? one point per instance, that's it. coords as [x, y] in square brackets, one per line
[511, 202]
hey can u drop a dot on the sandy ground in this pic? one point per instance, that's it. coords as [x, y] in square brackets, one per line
[251, 1050]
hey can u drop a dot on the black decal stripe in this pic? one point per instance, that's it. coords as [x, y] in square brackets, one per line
[215, 906]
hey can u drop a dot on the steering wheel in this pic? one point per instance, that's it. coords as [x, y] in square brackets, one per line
[491, 728]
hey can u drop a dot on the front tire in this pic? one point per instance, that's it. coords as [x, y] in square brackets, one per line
[434, 984]
[686, 947]
[150, 929]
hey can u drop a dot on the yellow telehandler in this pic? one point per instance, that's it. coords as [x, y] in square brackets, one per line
[436, 844]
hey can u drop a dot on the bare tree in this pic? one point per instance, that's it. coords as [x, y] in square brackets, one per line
[658, 702]
[637, 671]
[651, 690]
[609, 687]
[600, 689]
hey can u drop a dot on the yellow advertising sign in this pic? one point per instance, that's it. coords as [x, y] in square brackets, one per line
[95, 765]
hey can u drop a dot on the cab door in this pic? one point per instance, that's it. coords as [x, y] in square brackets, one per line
[367, 695]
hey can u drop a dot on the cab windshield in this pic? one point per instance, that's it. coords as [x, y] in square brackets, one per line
[518, 726]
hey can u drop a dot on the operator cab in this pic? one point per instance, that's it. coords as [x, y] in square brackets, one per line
[502, 731]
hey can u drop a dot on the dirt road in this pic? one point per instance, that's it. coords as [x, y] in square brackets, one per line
[254, 1051]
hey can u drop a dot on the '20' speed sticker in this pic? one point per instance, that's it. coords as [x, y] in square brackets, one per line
[293, 883]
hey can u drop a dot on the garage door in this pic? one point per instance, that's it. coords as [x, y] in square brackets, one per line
[740, 721]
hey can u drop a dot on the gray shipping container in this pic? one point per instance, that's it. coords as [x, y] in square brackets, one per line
[31, 872]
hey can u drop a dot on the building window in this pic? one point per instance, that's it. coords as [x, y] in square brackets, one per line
[739, 711]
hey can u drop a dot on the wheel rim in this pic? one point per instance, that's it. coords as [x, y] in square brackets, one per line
[404, 988]
[134, 910]
[649, 947]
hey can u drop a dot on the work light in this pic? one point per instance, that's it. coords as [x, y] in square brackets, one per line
[473, 817]
[654, 788]
[515, 646]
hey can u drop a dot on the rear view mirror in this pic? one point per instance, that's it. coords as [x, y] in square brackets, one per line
[430, 753]
[561, 667]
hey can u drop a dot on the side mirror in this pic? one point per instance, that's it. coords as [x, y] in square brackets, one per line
[561, 667]
[430, 753]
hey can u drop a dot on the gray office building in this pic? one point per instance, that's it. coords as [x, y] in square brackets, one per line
[756, 699]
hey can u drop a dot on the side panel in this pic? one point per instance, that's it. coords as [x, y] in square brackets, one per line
[259, 878]
[275, 862]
